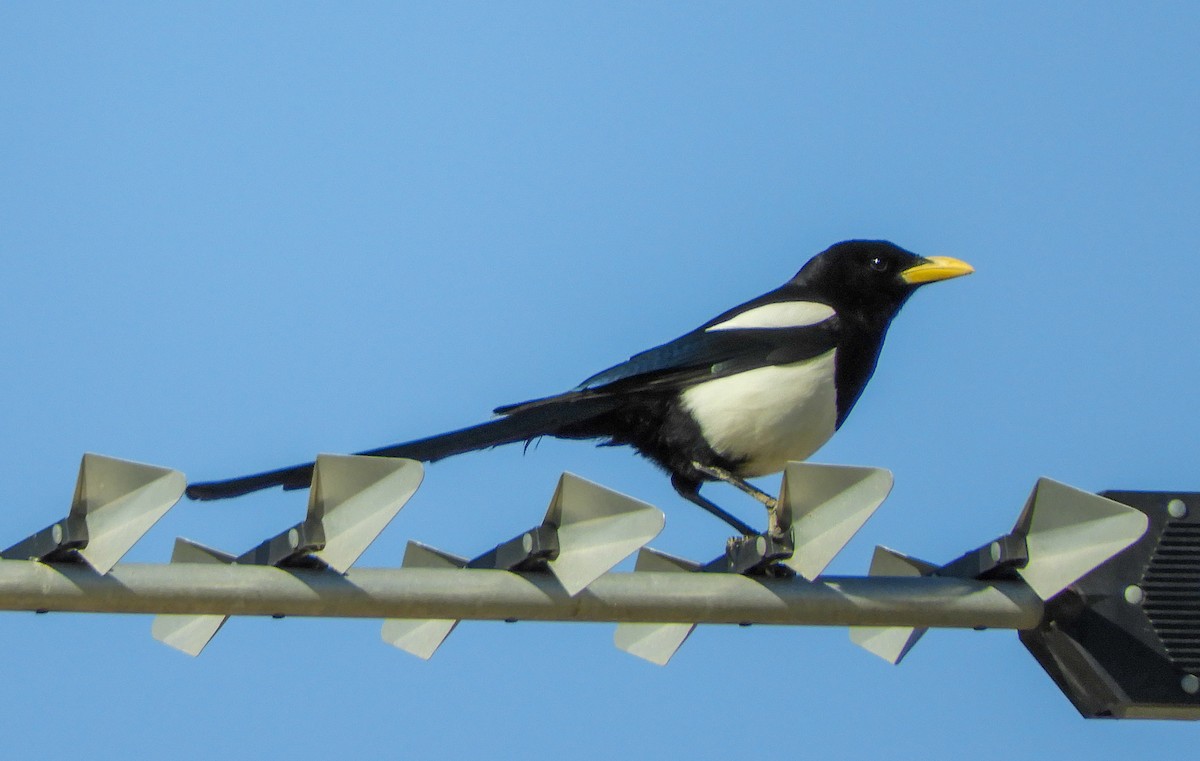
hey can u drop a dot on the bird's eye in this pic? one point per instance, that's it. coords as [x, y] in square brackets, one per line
[879, 264]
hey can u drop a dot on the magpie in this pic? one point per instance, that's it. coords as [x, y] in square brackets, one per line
[764, 383]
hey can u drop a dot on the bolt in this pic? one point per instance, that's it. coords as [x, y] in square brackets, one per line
[994, 551]
[1190, 683]
[1134, 594]
[56, 533]
[527, 541]
[1176, 509]
[293, 538]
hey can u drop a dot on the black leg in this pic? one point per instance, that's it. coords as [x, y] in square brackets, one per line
[690, 490]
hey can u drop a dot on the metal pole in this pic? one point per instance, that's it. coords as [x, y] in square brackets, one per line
[481, 594]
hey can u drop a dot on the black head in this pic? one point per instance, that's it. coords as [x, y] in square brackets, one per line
[872, 278]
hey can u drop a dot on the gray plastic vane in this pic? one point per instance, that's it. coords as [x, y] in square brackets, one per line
[597, 528]
[891, 643]
[1062, 534]
[353, 498]
[656, 643]
[422, 637]
[190, 634]
[1069, 532]
[825, 506]
[586, 531]
[116, 502]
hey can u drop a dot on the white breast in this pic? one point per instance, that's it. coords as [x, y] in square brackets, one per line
[770, 415]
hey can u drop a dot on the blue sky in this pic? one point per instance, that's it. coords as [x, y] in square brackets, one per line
[236, 235]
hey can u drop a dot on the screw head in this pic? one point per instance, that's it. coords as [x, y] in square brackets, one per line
[293, 538]
[56, 533]
[1134, 594]
[1176, 509]
[1190, 683]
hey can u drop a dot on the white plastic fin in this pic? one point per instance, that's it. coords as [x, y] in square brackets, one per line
[355, 497]
[656, 643]
[187, 551]
[187, 633]
[417, 555]
[826, 505]
[1069, 532]
[597, 528]
[421, 636]
[120, 501]
[891, 643]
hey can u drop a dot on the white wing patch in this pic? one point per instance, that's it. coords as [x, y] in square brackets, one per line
[783, 314]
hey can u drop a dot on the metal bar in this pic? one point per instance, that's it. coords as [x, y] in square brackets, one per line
[483, 594]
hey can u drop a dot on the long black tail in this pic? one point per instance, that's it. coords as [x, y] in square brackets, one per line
[567, 414]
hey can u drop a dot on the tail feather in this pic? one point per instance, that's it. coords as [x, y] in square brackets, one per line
[295, 477]
[524, 422]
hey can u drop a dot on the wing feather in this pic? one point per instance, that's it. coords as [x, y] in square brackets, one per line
[770, 330]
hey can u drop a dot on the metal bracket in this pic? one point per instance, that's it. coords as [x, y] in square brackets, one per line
[116, 502]
[353, 498]
[821, 508]
[531, 551]
[756, 555]
[1062, 534]
[587, 530]
[1000, 558]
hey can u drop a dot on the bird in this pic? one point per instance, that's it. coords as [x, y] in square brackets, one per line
[759, 385]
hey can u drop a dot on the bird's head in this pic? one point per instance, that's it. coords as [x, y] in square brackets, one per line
[871, 277]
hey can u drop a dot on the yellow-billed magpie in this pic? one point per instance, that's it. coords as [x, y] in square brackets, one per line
[738, 397]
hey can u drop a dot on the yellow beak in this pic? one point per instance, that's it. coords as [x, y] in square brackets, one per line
[936, 268]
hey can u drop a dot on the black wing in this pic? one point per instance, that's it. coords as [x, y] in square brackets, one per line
[700, 356]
